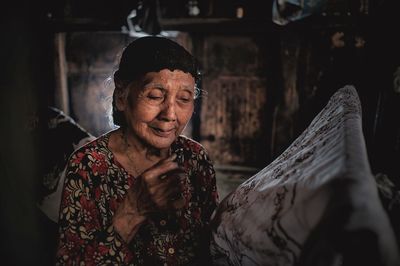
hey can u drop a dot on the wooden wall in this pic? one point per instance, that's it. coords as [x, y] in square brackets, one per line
[233, 124]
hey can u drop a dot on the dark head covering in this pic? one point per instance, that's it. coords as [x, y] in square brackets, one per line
[151, 54]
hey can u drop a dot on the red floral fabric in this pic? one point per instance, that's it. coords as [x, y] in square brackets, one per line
[94, 186]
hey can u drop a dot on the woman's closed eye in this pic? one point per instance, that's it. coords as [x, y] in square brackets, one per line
[155, 95]
[185, 97]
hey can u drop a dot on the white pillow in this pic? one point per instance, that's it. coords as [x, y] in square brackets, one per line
[316, 204]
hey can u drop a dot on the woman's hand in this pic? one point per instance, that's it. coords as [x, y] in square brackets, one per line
[127, 218]
[159, 188]
[162, 186]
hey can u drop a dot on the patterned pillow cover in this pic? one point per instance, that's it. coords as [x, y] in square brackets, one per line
[316, 204]
[58, 136]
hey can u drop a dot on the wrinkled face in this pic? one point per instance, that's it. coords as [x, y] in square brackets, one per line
[158, 107]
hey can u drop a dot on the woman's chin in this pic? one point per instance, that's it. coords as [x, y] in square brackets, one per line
[162, 140]
[161, 143]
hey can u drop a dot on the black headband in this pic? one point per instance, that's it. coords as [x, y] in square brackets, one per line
[152, 54]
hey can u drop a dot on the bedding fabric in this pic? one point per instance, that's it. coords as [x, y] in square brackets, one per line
[316, 204]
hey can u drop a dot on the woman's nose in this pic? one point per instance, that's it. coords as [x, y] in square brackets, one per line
[168, 112]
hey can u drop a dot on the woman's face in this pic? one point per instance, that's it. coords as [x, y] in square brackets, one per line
[158, 107]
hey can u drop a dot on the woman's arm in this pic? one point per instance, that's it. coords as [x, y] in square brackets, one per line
[82, 236]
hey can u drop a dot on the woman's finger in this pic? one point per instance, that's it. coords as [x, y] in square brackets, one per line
[160, 188]
[165, 195]
[158, 172]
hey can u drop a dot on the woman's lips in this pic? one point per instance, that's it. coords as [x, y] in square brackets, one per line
[163, 132]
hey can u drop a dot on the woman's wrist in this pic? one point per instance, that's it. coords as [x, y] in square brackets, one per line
[127, 224]
[135, 224]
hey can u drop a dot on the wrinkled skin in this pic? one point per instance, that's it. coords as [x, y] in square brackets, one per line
[157, 108]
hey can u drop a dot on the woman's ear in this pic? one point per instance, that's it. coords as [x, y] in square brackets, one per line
[120, 98]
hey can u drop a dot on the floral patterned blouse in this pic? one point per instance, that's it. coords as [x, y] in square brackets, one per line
[94, 186]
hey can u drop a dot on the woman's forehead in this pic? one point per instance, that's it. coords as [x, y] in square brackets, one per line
[167, 75]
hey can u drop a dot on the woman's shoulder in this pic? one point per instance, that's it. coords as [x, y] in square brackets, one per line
[95, 150]
[191, 144]
[196, 149]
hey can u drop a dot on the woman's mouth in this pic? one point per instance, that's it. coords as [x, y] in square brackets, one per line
[163, 132]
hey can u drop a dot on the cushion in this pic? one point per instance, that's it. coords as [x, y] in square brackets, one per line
[315, 204]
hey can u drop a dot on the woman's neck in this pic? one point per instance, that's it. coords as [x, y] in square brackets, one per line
[131, 142]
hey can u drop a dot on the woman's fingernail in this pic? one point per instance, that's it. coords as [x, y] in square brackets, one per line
[172, 157]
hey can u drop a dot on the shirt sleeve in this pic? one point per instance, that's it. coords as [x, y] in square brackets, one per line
[83, 239]
[208, 200]
[208, 186]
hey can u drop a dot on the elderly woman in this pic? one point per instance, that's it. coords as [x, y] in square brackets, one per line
[142, 194]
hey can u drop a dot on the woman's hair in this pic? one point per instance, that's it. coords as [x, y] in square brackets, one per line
[151, 54]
